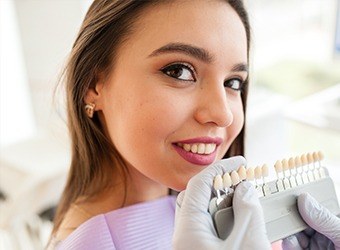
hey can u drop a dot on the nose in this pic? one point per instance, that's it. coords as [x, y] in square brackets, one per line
[213, 106]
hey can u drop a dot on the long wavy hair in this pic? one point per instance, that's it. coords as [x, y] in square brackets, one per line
[105, 27]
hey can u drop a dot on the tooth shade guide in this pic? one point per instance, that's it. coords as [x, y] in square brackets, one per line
[310, 158]
[320, 156]
[278, 166]
[258, 172]
[291, 163]
[218, 183]
[250, 174]
[298, 162]
[265, 170]
[285, 165]
[304, 159]
[235, 179]
[227, 183]
[242, 173]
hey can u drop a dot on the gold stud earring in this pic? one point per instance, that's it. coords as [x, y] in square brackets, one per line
[89, 108]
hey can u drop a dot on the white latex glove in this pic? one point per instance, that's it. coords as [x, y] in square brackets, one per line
[325, 227]
[194, 228]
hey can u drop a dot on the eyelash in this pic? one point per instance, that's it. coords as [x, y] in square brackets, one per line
[239, 88]
[181, 65]
[176, 66]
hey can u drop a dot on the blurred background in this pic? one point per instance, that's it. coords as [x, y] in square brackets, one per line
[294, 103]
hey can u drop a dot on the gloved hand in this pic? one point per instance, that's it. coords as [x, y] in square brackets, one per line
[194, 228]
[325, 227]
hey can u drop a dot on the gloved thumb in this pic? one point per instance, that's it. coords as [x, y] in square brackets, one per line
[179, 201]
[249, 226]
[319, 218]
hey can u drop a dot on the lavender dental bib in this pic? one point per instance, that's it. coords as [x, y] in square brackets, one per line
[147, 225]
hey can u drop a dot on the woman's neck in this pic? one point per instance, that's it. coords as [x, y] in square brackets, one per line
[138, 188]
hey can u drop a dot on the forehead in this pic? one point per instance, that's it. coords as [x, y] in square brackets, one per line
[213, 25]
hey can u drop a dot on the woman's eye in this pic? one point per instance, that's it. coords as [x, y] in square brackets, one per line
[180, 71]
[235, 84]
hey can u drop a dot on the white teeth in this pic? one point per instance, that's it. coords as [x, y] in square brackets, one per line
[194, 148]
[187, 147]
[199, 148]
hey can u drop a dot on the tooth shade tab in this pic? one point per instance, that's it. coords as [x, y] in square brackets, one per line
[235, 179]
[310, 158]
[297, 161]
[321, 156]
[315, 156]
[278, 166]
[304, 159]
[258, 172]
[265, 171]
[199, 148]
[242, 173]
[250, 174]
[291, 163]
[218, 183]
[227, 180]
[285, 165]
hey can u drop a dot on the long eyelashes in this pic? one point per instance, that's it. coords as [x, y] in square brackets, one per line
[180, 71]
[186, 72]
[234, 83]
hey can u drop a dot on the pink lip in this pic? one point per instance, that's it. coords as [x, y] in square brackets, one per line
[198, 159]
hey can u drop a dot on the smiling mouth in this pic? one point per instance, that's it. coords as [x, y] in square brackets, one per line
[198, 148]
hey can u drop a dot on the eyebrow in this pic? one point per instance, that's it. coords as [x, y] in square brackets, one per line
[199, 53]
[196, 52]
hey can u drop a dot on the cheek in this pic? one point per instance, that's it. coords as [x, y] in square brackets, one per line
[235, 128]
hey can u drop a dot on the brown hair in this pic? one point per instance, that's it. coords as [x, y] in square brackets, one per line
[106, 25]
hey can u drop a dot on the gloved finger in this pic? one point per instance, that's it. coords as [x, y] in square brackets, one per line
[248, 218]
[180, 198]
[291, 243]
[299, 240]
[198, 191]
[319, 218]
[179, 201]
[320, 241]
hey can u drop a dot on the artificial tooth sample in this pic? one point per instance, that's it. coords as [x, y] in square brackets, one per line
[265, 173]
[299, 170]
[292, 178]
[218, 182]
[321, 170]
[250, 174]
[304, 162]
[321, 156]
[316, 170]
[286, 174]
[258, 173]
[218, 186]
[235, 179]
[227, 182]
[304, 159]
[278, 170]
[258, 177]
[242, 173]
[310, 167]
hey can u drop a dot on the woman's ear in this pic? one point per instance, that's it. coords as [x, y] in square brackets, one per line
[94, 95]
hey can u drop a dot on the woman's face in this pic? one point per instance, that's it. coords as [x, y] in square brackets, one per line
[172, 104]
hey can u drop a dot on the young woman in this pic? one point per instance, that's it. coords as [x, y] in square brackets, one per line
[156, 92]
